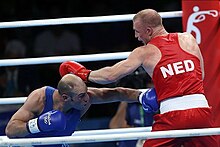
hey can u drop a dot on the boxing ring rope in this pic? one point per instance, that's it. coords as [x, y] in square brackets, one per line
[13, 100]
[60, 59]
[4, 141]
[112, 131]
[80, 20]
[104, 132]
[91, 135]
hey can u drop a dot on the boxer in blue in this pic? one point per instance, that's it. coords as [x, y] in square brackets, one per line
[50, 112]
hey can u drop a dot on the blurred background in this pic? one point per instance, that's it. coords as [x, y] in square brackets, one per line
[74, 39]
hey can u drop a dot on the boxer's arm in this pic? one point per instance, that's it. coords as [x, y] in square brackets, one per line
[119, 119]
[119, 70]
[16, 126]
[196, 51]
[107, 95]
[192, 47]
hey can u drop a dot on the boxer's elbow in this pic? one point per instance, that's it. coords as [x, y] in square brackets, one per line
[12, 130]
[9, 131]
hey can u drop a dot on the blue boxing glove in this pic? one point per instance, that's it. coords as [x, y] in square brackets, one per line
[50, 121]
[148, 99]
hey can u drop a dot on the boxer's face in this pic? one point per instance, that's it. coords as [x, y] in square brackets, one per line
[80, 99]
[142, 32]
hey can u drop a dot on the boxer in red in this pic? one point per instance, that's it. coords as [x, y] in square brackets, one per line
[175, 64]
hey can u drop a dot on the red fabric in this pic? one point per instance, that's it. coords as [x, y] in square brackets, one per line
[183, 69]
[183, 119]
[210, 47]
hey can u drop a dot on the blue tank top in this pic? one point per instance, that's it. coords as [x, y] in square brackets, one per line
[72, 117]
[136, 117]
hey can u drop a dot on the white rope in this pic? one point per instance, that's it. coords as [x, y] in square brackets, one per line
[60, 59]
[80, 20]
[13, 100]
[105, 131]
[112, 131]
[110, 137]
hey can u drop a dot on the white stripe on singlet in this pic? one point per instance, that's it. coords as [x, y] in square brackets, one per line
[183, 103]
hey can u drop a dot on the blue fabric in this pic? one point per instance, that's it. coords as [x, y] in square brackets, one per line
[149, 101]
[49, 99]
[136, 117]
[72, 117]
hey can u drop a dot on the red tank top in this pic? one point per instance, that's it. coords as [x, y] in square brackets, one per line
[178, 72]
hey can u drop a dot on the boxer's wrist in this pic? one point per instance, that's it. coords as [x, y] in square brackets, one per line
[140, 97]
[32, 126]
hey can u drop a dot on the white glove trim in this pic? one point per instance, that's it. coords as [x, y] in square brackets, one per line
[140, 97]
[33, 126]
[142, 93]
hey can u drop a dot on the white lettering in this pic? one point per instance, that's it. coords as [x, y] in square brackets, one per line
[179, 68]
[189, 65]
[165, 70]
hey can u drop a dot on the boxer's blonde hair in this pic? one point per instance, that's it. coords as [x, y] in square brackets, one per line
[148, 17]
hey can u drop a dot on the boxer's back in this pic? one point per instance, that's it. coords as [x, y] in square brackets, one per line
[178, 68]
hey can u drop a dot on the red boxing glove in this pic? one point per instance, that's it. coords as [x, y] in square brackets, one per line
[75, 68]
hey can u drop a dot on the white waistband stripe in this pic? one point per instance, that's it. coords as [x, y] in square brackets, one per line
[183, 103]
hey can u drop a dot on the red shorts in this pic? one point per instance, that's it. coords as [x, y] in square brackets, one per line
[183, 119]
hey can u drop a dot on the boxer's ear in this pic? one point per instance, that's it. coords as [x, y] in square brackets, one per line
[65, 96]
[149, 31]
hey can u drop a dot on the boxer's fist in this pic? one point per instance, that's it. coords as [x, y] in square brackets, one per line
[75, 68]
[51, 121]
[148, 99]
